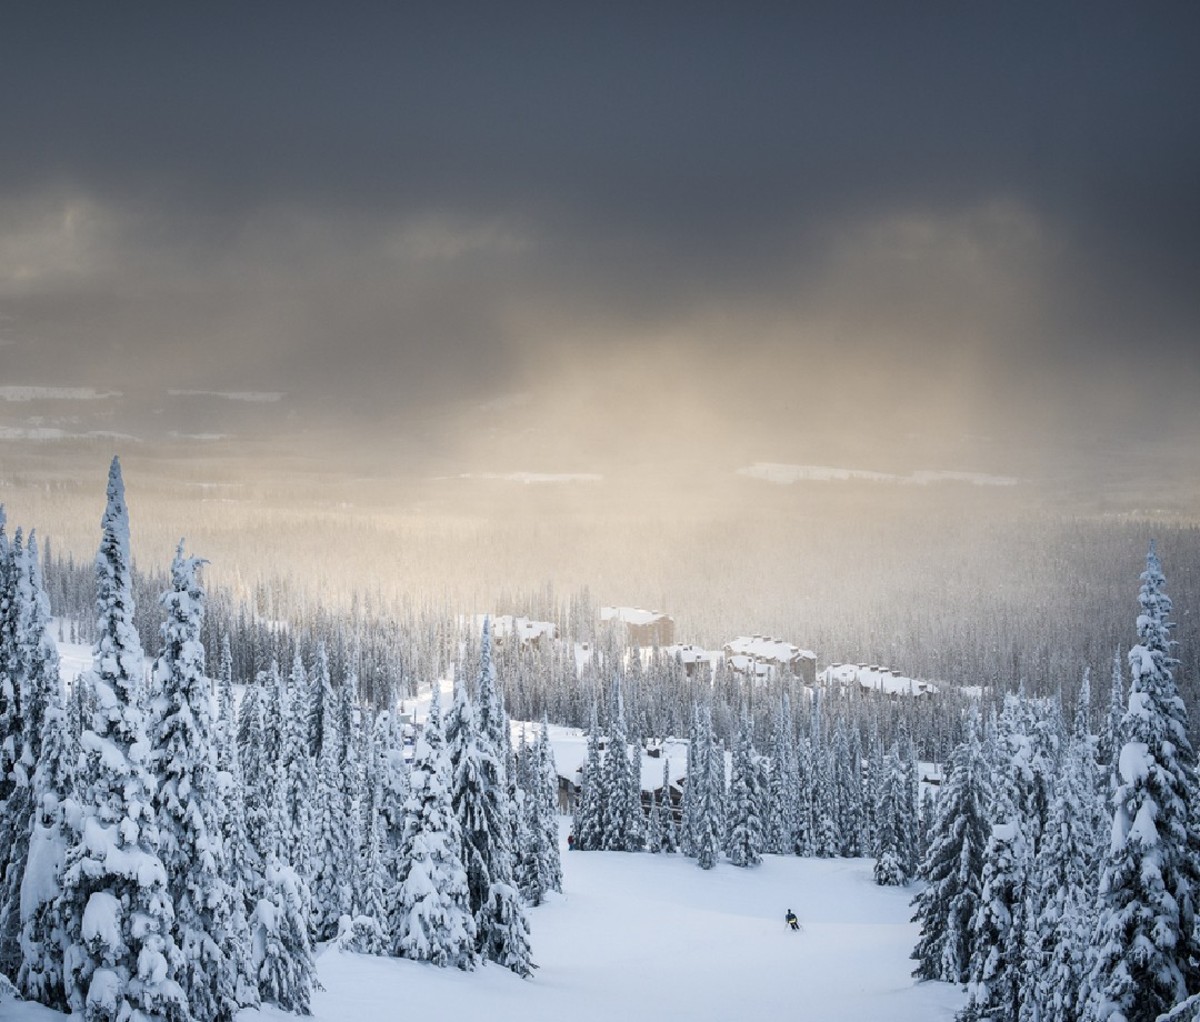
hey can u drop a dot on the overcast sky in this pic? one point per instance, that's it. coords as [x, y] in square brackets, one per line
[695, 221]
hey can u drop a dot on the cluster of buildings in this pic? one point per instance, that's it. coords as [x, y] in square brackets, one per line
[759, 657]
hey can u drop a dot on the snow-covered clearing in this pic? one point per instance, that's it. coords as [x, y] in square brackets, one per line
[648, 936]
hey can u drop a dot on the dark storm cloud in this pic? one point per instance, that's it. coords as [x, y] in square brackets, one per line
[364, 201]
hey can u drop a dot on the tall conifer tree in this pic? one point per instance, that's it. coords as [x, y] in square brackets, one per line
[120, 960]
[1148, 957]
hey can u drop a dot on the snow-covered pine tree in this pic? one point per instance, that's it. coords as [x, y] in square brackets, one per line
[10, 709]
[744, 844]
[997, 967]
[350, 732]
[588, 823]
[429, 910]
[668, 826]
[242, 869]
[479, 794]
[848, 791]
[708, 804]
[1148, 947]
[654, 825]
[11, 567]
[120, 959]
[544, 811]
[621, 827]
[281, 919]
[321, 700]
[953, 864]
[1066, 879]
[526, 874]
[297, 771]
[784, 791]
[373, 880]
[1110, 733]
[187, 805]
[34, 668]
[691, 781]
[333, 854]
[393, 785]
[81, 704]
[283, 960]
[43, 921]
[256, 771]
[873, 791]
[910, 832]
[890, 867]
[804, 841]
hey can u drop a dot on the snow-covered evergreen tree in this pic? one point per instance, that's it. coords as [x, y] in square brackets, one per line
[707, 806]
[187, 806]
[120, 958]
[538, 862]
[296, 772]
[1066, 880]
[44, 933]
[784, 792]
[479, 792]
[256, 773]
[890, 865]
[11, 569]
[282, 954]
[621, 811]
[430, 917]
[663, 827]
[544, 811]
[242, 867]
[10, 708]
[997, 970]
[335, 847]
[1148, 948]
[744, 845]
[848, 792]
[588, 823]
[953, 866]
[1109, 752]
[351, 734]
[34, 669]
[281, 919]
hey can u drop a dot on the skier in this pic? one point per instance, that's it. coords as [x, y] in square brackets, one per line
[791, 920]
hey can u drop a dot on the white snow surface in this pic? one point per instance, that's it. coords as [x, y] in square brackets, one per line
[647, 936]
[650, 936]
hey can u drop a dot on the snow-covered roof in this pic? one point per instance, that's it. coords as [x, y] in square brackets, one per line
[505, 625]
[689, 654]
[632, 615]
[876, 679]
[764, 647]
[569, 745]
[744, 664]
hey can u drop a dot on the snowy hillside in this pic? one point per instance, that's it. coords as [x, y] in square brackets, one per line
[647, 936]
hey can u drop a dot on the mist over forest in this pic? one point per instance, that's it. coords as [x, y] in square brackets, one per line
[951, 581]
